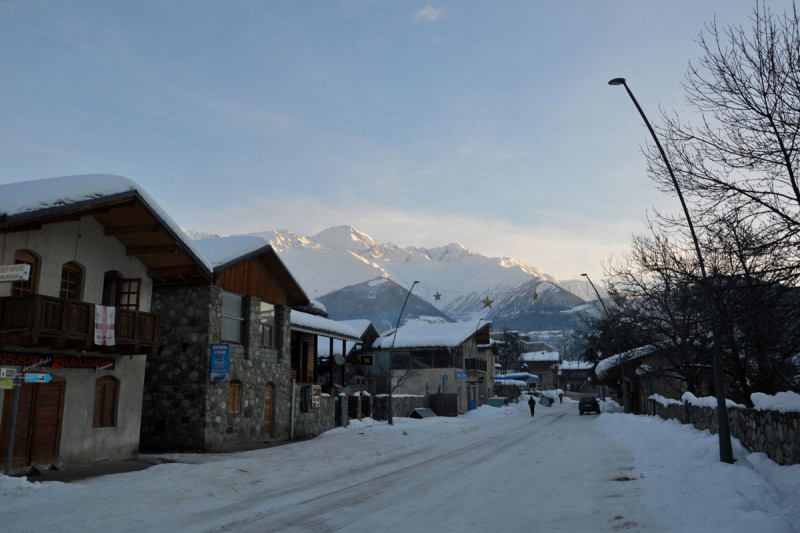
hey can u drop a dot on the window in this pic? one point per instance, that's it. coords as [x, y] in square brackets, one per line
[105, 402]
[25, 288]
[70, 282]
[235, 397]
[422, 359]
[442, 359]
[129, 291]
[400, 360]
[111, 288]
[232, 317]
[267, 335]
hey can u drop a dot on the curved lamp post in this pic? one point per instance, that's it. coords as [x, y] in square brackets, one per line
[394, 338]
[626, 402]
[725, 450]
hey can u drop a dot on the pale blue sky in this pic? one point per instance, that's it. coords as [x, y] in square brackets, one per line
[485, 123]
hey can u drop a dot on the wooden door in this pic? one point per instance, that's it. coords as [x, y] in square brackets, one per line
[269, 392]
[37, 437]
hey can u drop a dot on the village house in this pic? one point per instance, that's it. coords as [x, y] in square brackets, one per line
[93, 248]
[575, 376]
[544, 365]
[358, 376]
[448, 358]
[232, 368]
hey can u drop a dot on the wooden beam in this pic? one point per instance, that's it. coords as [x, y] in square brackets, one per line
[172, 271]
[24, 227]
[152, 250]
[130, 230]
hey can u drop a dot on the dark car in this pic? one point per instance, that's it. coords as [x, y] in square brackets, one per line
[588, 405]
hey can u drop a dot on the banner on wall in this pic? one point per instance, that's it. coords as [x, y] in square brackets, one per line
[220, 362]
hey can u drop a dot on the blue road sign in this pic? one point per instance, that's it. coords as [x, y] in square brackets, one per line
[461, 375]
[38, 378]
[444, 380]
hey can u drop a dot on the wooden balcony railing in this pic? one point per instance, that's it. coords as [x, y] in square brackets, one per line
[475, 364]
[38, 321]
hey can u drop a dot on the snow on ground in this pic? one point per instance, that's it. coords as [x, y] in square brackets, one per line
[503, 471]
[681, 470]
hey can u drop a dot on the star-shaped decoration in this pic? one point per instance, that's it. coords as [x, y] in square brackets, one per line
[535, 296]
[437, 296]
[487, 302]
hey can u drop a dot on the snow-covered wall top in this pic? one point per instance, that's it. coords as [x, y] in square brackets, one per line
[576, 365]
[430, 335]
[539, 356]
[322, 326]
[36, 195]
[707, 401]
[226, 249]
[785, 402]
[631, 355]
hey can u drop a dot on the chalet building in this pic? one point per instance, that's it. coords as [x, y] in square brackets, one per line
[358, 377]
[544, 365]
[462, 352]
[575, 376]
[523, 341]
[87, 241]
[241, 313]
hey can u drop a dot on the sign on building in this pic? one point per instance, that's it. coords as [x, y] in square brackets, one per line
[220, 362]
[461, 375]
[20, 272]
[366, 360]
[316, 395]
[57, 360]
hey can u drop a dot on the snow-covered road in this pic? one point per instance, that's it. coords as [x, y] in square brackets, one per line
[465, 474]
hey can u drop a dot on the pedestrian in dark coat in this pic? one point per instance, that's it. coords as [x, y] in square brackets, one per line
[532, 404]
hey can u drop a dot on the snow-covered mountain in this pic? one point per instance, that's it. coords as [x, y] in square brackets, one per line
[342, 256]
[195, 235]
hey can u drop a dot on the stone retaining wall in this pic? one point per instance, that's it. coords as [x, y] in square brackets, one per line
[771, 432]
[403, 405]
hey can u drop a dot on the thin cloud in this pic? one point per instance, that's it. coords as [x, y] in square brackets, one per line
[428, 14]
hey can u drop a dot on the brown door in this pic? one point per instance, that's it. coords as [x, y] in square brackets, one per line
[269, 392]
[37, 437]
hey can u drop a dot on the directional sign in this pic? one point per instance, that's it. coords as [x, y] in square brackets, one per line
[7, 372]
[38, 378]
[6, 383]
[461, 375]
[444, 380]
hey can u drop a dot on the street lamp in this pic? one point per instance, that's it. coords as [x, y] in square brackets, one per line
[394, 338]
[725, 450]
[626, 403]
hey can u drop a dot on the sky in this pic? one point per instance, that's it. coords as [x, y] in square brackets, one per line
[489, 124]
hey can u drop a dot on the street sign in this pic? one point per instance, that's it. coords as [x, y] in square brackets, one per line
[461, 375]
[366, 360]
[7, 373]
[444, 380]
[6, 383]
[38, 378]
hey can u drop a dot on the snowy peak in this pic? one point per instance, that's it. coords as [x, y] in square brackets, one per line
[450, 253]
[198, 235]
[345, 238]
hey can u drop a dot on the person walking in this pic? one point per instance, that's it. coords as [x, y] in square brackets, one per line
[532, 404]
[560, 397]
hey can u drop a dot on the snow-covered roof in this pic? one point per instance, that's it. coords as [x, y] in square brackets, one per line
[28, 199]
[576, 365]
[607, 364]
[517, 375]
[539, 356]
[316, 304]
[226, 250]
[360, 325]
[430, 335]
[322, 326]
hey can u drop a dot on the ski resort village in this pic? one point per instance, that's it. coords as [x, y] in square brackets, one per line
[206, 324]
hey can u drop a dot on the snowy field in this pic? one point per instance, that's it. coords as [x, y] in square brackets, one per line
[492, 470]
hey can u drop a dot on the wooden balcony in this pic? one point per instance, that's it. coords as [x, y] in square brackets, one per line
[45, 322]
[475, 364]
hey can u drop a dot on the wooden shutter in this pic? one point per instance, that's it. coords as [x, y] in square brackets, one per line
[235, 397]
[105, 402]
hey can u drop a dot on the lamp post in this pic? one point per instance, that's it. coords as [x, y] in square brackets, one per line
[626, 403]
[394, 338]
[725, 450]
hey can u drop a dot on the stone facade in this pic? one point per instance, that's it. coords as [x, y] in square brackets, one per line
[403, 405]
[771, 432]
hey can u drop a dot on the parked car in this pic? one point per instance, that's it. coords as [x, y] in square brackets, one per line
[497, 401]
[587, 405]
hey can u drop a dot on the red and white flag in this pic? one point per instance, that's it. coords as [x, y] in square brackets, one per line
[104, 318]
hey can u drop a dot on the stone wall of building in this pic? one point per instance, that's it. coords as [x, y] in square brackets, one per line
[402, 405]
[319, 420]
[182, 409]
[176, 379]
[771, 432]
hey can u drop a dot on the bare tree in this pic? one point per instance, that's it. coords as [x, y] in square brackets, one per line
[393, 371]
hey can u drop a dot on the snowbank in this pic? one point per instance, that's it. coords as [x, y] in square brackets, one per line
[785, 402]
[487, 411]
[681, 471]
[707, 401]
[666, 401]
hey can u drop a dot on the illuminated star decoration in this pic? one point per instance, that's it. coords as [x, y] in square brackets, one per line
[535, 296]
[487, 302]
[437, 296]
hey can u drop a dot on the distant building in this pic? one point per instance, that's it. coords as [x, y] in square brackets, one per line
[545, 365]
